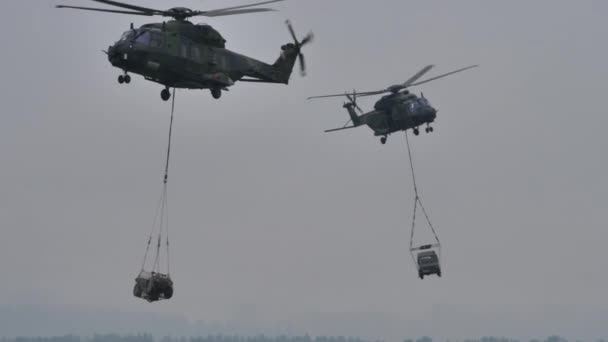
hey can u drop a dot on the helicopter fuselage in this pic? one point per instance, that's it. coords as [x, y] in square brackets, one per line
[180, 54]
[396, 112]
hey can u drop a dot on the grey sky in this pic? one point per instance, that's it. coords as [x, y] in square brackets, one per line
[275, 224]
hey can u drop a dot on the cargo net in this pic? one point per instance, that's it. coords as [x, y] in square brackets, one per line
[153, 283]
[427, 258]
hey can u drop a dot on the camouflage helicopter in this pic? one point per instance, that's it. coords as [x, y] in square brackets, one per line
[180, 54]
[400, 110]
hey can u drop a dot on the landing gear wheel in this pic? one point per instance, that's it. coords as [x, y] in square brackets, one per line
[416, 131]
[383, 140]
[216, 93]
[121, 79]
[431, 129]
[420, 275]
[127, 79]
[165, 94]
[439, 274]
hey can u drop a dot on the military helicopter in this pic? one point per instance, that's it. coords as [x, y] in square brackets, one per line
[180, 54]
[400, 110]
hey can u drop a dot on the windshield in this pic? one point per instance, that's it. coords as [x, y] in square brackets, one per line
[143, 38]
[426, 260]
[127, 36]
[423, 102]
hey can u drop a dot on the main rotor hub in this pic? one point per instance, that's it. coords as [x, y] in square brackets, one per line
[395, 88]
[180, 13]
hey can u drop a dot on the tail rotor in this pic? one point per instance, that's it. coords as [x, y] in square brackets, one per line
[298, 45]
[353, 100]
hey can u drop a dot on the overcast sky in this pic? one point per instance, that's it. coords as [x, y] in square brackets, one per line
[277, 226]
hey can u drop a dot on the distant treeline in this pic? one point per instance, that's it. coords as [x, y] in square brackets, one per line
[259, 338]
[211, 338]
[553, 338]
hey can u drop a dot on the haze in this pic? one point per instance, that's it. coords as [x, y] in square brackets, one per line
[278, 227]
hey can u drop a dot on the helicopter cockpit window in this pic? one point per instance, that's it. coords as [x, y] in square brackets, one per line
[144, 38]
[187, 48]
[127, 36]
[196, 53]
[156, 39]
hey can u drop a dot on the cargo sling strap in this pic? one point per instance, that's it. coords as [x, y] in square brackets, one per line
[160, 224]
[418, 203]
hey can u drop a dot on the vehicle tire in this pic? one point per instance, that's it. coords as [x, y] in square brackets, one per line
[137, 291]
[383, 140]
[439, 274]
[168, 293]
[216, 93]
[127, 79]
[416, 131]
[121, 79]
[421, 275]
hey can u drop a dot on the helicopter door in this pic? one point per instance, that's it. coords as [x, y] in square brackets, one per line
[400, 114]
[173, 45]
[213, 61]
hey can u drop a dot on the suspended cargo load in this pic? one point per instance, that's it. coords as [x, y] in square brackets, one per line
[427, 262]
[427, 258]
[155, 285]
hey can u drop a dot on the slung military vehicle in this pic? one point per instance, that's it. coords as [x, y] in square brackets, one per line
[180, 54]
[400, 110]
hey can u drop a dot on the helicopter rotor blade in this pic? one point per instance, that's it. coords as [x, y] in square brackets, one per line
[397, 87]
[233, 10]
[340, 95]
[139, 10]
[353, 101]
[131, 7]
[302, 64]
[375, 92]
[293, 34]
[338, 129]
[444, 75]
[358, 108]
[324, 96]
[349, 98]
[417, 76]
[104, 10]
[309, 37]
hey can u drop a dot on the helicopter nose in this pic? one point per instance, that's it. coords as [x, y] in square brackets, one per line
[117, 54]
[113, 53]
[429, 112]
